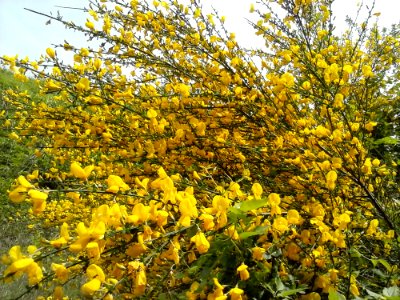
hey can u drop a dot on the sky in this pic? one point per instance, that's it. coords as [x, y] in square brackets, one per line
[26, 33]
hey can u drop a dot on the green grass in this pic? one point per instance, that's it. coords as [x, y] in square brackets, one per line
[18, 159]
[15, 159]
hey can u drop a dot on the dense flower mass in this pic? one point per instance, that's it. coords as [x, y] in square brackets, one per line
[184, 165]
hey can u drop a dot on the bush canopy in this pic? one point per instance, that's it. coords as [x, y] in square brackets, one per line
[184, 165]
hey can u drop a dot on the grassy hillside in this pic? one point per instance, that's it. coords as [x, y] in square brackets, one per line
[15, 159]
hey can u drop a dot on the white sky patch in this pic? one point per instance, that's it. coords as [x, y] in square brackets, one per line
[26, 34]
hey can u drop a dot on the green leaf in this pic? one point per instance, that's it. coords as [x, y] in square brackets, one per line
[251, 204]
[334, 295]
[379, 273]
[193, 270]
[391, 292]
[235, 211]
[382, 262]
[258, 231]
[291, 292]
[373, 294]
[354, 252]
[235, 214]
[387, 141]
[279, 284]
[162, 296]
[179, 275]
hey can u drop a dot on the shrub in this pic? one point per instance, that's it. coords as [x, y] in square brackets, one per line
[187, 166]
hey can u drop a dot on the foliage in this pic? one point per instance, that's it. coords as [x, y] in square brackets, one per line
[187, 166]
[15, 159]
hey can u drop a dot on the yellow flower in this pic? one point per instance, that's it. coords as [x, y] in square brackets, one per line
[162, 218]
[94, 271]
[243, 273]
[80, 173]
[35, 274]
[220, 204]
[140, 214]
[64, 237]
[201, 242]
[140, 282]
[331, 180]
[370, 126]
[187, 208]
[257, 190]
[15, 253]
[274, 199]
[23, 182]
[183, 89]
[258, 253]
[367, 71]
[208, 221]
[321, 131]
[280, 224]
[50, 52]
[18, 194]
[89, 288]
[115, 184]
[60, 271]
[93, 250]
[95, 232]
[292, 251]
[341, 221]
[318, 211]
[37, 195]
[311, 296]
[323, 282]
[354, 289]
[376, 162]
[231, 232]
[83, 84]
[306, 85]
[347, 69]
[338, 102]
[18, 265]
[52, 86]
[89, 25]
[367, 167]
[236, 293]
[218, 292]
[38, 200]
[251, 7]
[58, 293]
[373, 225]
[293, 217]
[151, 113]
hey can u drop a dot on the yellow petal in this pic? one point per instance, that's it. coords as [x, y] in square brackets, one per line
[58, 242]
[113, 189]
[15, 253]
[88, 170]
[94, 271]
[25, 183]
[38, 195]
[151, 113]
[257, 190]
[98, 230]
[20, 265]
[50, 52]
[18, 194]
[35, 274]
[77, 171]
[91, 287]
